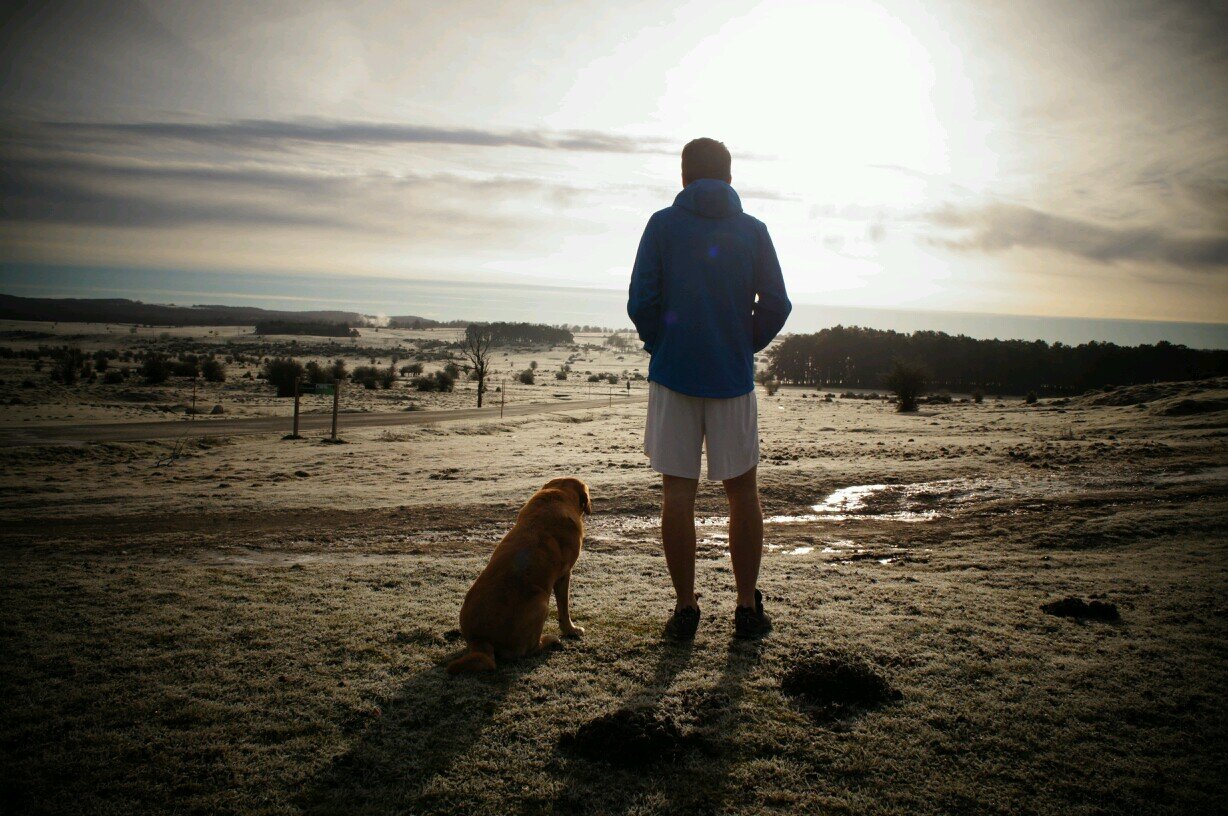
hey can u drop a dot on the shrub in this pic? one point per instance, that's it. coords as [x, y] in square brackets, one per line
[594, 378]
[213, 371]
[338, 371]
[772, 386]
[388, 377]
[453, 371]
[68, 365]
[1030, 399]
[100, 360]
[561, 374]
[907, 381]
[439, 381]
[113, 377]
[527, 376]
[412, 368]
[282, 373]
[612, 379]
[317, 374]
[978, 397]
[185, 368]
[533, 365]
[621, 342]
[155, 368]
[367, 377]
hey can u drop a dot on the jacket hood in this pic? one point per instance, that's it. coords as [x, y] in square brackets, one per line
[709, 198]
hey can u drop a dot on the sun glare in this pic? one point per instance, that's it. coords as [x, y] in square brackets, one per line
[831, 89]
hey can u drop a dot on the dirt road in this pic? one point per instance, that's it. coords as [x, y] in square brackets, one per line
[308, 423]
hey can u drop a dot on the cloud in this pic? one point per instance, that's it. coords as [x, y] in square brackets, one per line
[273, 132]
[98, 191]
[1000, 227]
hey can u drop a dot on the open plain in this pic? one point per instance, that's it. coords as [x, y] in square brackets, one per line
[246, 624]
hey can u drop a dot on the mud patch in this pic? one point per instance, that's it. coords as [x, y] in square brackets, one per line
[1072, 607]
[835, 686]
[628, 738]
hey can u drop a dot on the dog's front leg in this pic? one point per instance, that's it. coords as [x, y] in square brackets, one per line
[568, 627]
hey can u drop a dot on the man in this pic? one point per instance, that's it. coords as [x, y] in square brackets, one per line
[706, 295]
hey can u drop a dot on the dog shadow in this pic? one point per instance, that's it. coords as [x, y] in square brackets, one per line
[433, 719]
[698, 784]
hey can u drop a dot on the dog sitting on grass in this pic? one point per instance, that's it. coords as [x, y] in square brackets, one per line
[506, 608]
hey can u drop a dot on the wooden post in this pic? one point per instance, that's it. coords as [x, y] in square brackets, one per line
[502, 397]
[336, 404]
[294, 435]
[193, 395]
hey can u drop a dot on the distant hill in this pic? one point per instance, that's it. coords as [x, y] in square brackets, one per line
[122, 310]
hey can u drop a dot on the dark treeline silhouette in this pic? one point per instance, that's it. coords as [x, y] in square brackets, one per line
[122, 310]
[417, 323]
[855, 357]
[527, 334]
[317, 329]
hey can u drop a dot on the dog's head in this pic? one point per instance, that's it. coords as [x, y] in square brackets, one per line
[577, 487]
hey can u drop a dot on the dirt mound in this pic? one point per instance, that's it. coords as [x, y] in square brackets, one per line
[1189, 407]
[1150, 392]
[832, 686]
[629, 737]
[1072, 607]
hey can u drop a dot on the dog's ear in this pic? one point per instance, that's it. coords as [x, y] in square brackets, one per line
[586, 501]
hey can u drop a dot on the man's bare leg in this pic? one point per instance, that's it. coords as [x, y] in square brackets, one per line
[745, 534]
[678, 536]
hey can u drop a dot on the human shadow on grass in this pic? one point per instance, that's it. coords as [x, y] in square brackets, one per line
[696, 780]
[433, 719]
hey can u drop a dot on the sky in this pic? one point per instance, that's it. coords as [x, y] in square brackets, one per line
[1040, 158]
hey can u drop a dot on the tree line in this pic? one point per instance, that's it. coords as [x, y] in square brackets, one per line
[857, 357]
[527, 334]
[317, 328]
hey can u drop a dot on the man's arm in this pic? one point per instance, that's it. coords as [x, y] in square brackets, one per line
[772, 306]
[644, 298]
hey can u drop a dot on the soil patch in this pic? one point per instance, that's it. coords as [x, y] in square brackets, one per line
[1072, 607]
[629, 737]
[834, 686]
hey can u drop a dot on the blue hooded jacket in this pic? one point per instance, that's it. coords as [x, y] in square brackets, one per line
[706, 293]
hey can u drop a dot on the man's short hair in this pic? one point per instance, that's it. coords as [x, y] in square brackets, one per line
[705, 158]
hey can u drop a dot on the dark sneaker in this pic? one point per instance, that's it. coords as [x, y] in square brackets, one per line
[751, 623]
[682, 624]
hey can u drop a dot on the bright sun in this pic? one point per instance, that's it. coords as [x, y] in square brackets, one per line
[834, 88]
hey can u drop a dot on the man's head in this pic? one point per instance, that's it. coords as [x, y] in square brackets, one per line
[706, 159]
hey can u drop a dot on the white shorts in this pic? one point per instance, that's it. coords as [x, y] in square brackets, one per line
[680, 425]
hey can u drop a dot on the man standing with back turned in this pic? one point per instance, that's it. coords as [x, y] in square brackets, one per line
[706, 295]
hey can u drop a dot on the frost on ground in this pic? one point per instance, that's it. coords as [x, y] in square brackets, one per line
[260, 626]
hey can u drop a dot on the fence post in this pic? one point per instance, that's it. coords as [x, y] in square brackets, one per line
[336, 404]
[294, 435]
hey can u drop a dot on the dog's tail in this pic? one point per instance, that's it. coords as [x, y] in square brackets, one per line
[479, 658]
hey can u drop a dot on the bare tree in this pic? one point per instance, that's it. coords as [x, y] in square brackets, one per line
[476, 348]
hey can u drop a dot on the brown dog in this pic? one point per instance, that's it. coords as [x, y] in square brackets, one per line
[506, 608]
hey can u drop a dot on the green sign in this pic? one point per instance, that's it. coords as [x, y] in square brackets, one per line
[324, 388]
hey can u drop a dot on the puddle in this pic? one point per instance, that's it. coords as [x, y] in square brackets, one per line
[906, 503]
[924, 501]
